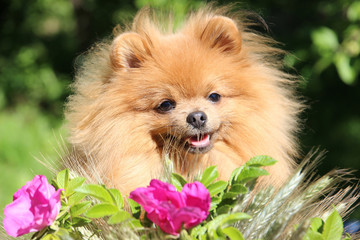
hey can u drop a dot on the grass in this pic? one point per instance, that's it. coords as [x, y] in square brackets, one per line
[25, 134]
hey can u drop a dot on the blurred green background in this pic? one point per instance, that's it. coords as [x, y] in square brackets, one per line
[40, 40]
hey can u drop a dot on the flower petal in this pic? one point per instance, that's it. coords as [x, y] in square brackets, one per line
[35, 206]
[197, 195]
[189, 217]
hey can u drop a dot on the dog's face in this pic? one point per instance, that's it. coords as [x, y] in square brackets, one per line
[187, 117]
[185, 87]
[183, 99]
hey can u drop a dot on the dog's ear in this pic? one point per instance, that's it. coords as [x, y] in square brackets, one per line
[128, 51]
[222, 33]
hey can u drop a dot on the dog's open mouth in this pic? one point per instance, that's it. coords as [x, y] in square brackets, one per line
[200, 143]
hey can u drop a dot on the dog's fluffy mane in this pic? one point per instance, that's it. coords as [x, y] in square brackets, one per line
[93, 114]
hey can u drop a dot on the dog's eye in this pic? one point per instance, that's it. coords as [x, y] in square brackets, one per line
[214, 97]
[166, 106]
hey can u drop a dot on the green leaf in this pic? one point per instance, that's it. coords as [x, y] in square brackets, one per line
[73, 184]
[62, 179]
[63, 214]
[214, 202]
[217, 187]
[135, 223]
[353, 12]
[101, 210]
[198, 230]
[79, 208]
[75, 198]
[95, 191]
[80, 221]
[261, 161]
[178, 181]
[119, 217]
[184, 235]
[65, 234]
[333, 227]
[344, 69]
[347, 236]
[233, 233]
[50, 237]
[317, 224]
[230, 195]
[234, 175]
[209, 175]
[250, 173]
[223, 209]
[135, 207]
[238, 188]
[312, 235]
[117, 197]
[225, 220]
[325, 40]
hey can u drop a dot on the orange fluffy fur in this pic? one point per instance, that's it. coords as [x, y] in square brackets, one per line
[114, 114]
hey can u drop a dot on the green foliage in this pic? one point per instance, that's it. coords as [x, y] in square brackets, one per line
[80, 203]
[180, 7]
[237, 211]
[331, 229]
[25, 134]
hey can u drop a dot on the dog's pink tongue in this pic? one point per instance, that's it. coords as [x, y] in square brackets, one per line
[196, 142]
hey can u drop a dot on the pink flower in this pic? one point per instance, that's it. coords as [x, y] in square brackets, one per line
[34, 207]
[170, 209]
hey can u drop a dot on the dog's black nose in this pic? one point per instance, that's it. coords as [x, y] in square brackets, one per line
[197, 119]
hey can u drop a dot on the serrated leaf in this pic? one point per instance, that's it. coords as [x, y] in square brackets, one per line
[76, 198]
[209, 175]
[62, 179]
[261, 161]
[80, 221]
[119, 200]
[101, 210]
[119, 217]
[95, 191]
[178, 181]
[233, 233]
[333, 227]
[250, 173]
[73, 184]
[217, 187]
[79, 208]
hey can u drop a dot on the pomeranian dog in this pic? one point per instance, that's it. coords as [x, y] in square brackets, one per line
[211, 92]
